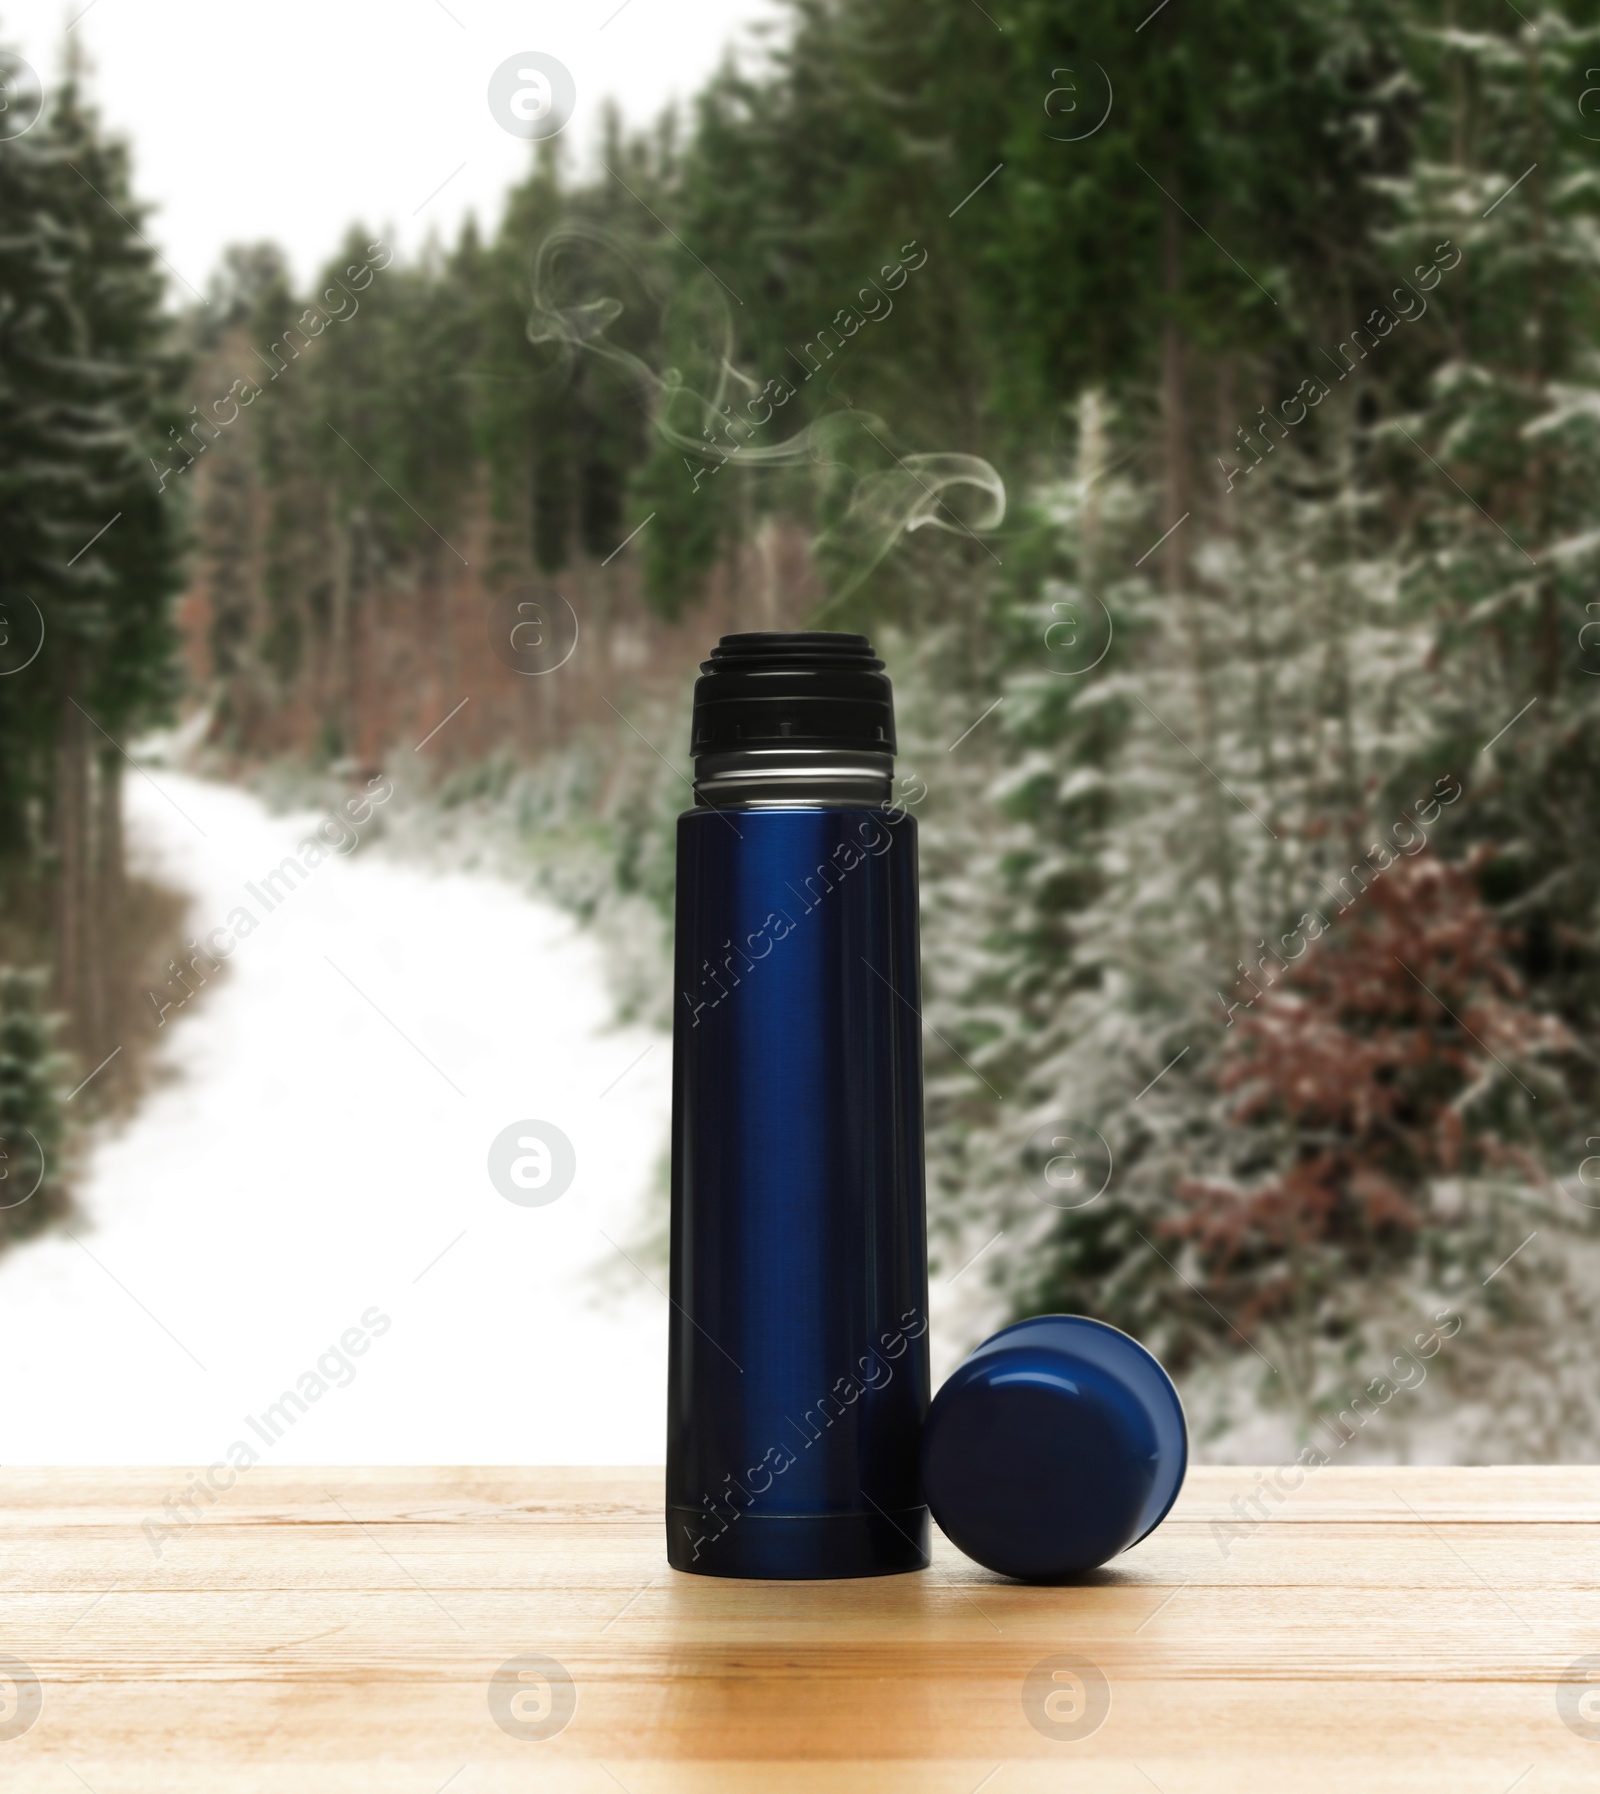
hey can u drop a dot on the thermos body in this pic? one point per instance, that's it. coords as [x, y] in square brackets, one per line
[800, 1442]
[798, 1357]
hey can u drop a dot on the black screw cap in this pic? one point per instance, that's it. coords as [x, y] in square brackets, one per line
[809, 688]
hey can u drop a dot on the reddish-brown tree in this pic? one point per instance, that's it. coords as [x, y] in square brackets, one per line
[1393, 1049]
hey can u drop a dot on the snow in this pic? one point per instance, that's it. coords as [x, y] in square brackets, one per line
[304, 1161]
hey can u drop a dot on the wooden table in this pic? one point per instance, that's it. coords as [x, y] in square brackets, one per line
[331, 1630]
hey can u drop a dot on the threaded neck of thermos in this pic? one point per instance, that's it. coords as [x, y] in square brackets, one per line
[800, 716]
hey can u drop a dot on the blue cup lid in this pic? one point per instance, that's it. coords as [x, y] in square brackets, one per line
[1055, 1445]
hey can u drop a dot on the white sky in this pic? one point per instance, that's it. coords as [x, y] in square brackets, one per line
[255, 119]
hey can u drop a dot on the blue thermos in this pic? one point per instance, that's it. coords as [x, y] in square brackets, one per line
[798, 1356]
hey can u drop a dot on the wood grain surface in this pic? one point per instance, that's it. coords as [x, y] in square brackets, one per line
[335, 1630]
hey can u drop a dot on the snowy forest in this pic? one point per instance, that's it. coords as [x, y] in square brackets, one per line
[1203, 420]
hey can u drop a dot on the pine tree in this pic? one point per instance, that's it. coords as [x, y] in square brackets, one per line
[33, 1176]
[1498, 456]
[88, 548]
[121, 671]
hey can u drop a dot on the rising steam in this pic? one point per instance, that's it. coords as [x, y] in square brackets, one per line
[725, 424]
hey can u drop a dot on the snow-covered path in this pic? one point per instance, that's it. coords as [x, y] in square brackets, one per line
[319, 1155]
